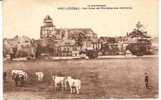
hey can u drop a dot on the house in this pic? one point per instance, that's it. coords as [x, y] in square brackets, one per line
[9, 45]
[17, 46]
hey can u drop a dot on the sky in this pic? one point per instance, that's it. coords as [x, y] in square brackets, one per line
[24, 17]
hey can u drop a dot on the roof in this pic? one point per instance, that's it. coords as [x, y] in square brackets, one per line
[48, 21]
[47, 18]
[75, 31]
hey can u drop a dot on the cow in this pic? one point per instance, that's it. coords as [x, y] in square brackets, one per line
[59, 82]
[74, 84]
[19, 79]
[15, 72]
[39, 76]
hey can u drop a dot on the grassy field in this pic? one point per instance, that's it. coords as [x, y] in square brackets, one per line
[101, 78]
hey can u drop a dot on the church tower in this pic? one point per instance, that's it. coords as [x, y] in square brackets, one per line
[48, 28]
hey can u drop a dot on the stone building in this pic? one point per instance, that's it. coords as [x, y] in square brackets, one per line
[67, 41]
[48, 29]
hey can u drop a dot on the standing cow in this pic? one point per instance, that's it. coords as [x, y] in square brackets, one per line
[15, 72]
[59, 82]
[74, 84]
[19, 80]
[39, 76]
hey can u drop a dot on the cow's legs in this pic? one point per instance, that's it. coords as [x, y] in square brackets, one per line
[74, 90]
[65, 86]
[62, 87]
[55, 87]
[77, 90]
[71, 90]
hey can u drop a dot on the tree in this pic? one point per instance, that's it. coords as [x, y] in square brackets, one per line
[139, 47]
[139, 25]
[138, 31]
[81, 37]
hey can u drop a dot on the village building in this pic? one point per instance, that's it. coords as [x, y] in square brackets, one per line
[67, 41]
[17, 46]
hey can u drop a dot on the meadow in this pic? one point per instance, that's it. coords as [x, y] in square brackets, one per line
[101, 78]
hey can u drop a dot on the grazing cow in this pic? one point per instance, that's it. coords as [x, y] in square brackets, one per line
[74, 84]
[15, 72]
[58, 82]
[39, 76]
[19, 79]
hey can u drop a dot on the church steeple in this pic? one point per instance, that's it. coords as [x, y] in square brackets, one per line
[48, 21]
[48, 28]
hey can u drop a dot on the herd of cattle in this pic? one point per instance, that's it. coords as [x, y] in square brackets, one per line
[63, 83]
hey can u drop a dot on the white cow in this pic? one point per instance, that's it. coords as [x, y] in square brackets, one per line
[74, 84]
[58, 81]
[20, 72]
[39, 75]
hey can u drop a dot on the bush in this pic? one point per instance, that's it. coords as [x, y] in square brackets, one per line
[92, 54]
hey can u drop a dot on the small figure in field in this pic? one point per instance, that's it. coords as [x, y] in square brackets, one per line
[147, 84]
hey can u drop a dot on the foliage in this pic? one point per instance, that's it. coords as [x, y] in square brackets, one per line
[91, 54]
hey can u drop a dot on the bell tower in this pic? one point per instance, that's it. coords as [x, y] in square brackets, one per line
[48, 28]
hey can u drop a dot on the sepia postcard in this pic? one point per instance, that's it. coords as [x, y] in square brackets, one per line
[80, 49]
